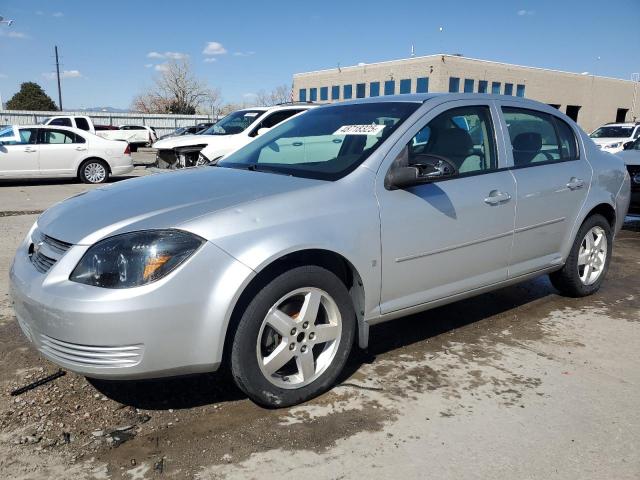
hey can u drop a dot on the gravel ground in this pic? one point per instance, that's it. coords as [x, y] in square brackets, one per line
[518, 383]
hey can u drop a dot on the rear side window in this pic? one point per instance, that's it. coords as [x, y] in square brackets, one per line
[82, 124]
[61, 122]
[57, 137]
[538, 137]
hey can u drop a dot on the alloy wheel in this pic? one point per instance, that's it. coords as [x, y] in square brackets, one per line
[95, 172]
[592, 255]
[299, 338]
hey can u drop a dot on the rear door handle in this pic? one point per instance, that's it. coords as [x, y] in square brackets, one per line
[30, 150]
[297, 144]
[81, 149]
[496, 197]
[575, 183]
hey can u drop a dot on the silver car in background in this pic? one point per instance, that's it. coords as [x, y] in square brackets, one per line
[277, 260]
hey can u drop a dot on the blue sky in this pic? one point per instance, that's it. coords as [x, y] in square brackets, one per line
[241, 47]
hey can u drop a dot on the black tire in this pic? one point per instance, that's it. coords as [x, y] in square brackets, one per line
[567, 280]
[245, 369]
[83, 171]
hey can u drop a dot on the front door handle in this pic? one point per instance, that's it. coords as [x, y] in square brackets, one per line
[496, 197]
[297, 144]
[575, 183]
[30, 150]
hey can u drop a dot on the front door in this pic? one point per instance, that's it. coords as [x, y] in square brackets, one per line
[455, 234]
[552, 184]
[20, 158]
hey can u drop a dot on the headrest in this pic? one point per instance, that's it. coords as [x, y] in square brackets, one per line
[452, 142]
[528, 142]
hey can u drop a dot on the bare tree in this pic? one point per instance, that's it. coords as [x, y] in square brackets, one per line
[280, 94]
[177, 90]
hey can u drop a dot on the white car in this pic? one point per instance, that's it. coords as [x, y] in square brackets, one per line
[46, 151]
[613, 136]
[232, 132]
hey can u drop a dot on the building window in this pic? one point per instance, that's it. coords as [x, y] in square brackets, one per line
[335, 92]
[360, 90]
[313, 94]
[422, 85]
[495, 88]
[508, 88]
[302, 95]
[324, 93]
[405, 85]
[454, 84]
[482, 86]
[468, 85]
[374, 89]
[519, 90]
[389, 87]
[347, 91]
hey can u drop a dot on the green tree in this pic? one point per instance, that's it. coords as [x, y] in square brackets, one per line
[31, 97]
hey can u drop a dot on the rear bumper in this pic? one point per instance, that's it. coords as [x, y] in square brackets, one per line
[173, 326]
[121, 170]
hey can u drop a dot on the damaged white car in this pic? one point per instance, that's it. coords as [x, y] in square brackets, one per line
[232, 132]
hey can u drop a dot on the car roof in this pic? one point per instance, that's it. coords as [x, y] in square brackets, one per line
[49, 127]
[622, 124]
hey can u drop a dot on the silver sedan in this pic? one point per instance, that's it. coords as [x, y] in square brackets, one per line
[279, 258]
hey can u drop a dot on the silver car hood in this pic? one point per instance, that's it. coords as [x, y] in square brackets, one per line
[164, 200]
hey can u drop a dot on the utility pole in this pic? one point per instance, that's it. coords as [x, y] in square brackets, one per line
[58, 74]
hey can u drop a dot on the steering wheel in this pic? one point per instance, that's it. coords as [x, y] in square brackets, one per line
[442, 164]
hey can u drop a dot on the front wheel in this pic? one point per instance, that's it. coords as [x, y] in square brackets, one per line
[294, 337]
[588, 261]
[94, 171]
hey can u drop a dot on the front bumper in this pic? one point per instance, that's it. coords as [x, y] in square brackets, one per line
[173, 326]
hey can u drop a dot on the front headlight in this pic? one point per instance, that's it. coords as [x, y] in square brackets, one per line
[135, 259]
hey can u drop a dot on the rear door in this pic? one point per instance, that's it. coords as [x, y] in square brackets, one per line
[552, 178]
[60, 152]
[20, 158]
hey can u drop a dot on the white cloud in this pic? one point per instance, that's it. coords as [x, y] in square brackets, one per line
[13, 34]
[162, 67]
[243, 54]
[524, 13]
[63, 74]
[148, 65]
[58, 14]
[210, 60]
[214, 48]
[170, 55]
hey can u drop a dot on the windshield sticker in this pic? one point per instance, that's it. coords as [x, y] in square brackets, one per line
[372, 129]
[251, 114]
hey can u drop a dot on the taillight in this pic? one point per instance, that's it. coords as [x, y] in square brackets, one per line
[127, 150]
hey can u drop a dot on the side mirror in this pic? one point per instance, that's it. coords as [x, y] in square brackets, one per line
[424, 169]
[262, 131]
[628, 145]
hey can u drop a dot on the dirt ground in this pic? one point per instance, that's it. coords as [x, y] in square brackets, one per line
[518, 383]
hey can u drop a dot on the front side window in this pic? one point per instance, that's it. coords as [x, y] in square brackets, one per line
[325, 143]
[61, 122]
[234, 123]
[405, 85]
[27, 136]
[538, 137]
[324, 93]
[302, 95]
[463, 135]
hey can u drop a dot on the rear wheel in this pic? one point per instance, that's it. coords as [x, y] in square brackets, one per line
[94, 171]
[294, 337]
[588, 261]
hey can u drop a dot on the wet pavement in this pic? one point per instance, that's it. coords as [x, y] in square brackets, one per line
[518, 383]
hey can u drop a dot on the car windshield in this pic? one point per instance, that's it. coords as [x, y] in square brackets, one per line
[234, 123]
[325, 143]
[612, 132]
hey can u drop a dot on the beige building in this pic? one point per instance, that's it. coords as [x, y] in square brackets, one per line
[589, 99]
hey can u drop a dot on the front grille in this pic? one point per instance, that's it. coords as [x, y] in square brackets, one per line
[634, 172]
[45, 251]
[89, 355]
